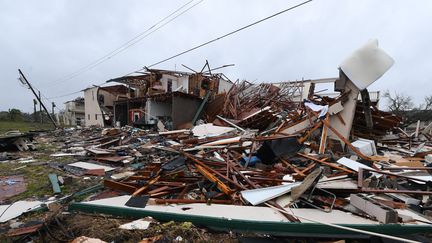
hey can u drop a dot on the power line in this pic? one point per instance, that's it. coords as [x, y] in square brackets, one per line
[65, 95]
[225, 35]
[130, 43]
[230, 33]
[209, 42]
[72, 93]
[45, 98]
[107, 56]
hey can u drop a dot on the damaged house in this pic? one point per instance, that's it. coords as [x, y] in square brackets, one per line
[74, 114]
[99, 104]
[171, 97]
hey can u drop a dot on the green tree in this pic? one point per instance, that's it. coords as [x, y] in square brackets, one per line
[15, 114]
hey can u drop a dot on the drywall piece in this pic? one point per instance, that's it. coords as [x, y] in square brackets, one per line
[91, 166]
[332, 109]
[428, 158]
[407, 213]
[419, 148]
[174, 132]
[404, 198]
[173, 143]
[284, 200]
[99, 151]
[427, 129]
[365, 146]
[308, 182]
[407, 163]
[85, 239]
[223, 141]
[421, 177]
[382, 213]
[367, 64]
[62, 155]
[140, 224]
[256, 113]
[210, 130]
[353, 165]
[15, 209]
[342, 184]
[25, 161]
[122, 175]
[260, 195]
[335, 108]
[297, 127]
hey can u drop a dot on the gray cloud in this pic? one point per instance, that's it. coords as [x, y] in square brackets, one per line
[50, 39]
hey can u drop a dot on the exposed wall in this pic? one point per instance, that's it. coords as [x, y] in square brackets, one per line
[184, 81]
[224, 86]
[183, 110]
[164, 80]
[93, 113]
[347, 113]
[155, 109]
[74, 114]
[176, 82]
[108, 98]
[121, 114]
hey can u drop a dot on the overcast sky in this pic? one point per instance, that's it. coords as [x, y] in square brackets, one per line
[49, 40]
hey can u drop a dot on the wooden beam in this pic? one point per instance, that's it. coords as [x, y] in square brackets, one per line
[325, 163]
[119, 186]
[144, 188]
[224, 188]
[292, 167]
[323, 142]
[360, 154]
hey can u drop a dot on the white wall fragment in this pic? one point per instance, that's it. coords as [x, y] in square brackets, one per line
[367, 64]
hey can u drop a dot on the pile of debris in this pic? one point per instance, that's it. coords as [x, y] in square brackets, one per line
[262, 158]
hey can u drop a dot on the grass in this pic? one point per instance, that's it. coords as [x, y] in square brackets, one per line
[6, 126]
[36, 175]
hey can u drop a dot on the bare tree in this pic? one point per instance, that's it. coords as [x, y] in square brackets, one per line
[428, 102]
[398, 102]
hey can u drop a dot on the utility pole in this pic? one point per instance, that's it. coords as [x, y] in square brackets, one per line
[40, 108]
[34, 110]
[52, 110]
[23, 79]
